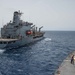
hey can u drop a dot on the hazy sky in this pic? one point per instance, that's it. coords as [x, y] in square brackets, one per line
[52, 14]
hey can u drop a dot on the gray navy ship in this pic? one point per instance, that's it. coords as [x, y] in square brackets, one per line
[18, 33]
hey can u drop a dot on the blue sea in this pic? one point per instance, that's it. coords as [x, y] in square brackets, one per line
[40, 58]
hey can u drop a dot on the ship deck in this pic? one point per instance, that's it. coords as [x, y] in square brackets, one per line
[7, 40]
[66, 68]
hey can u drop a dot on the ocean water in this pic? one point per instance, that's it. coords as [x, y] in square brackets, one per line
[41, 58]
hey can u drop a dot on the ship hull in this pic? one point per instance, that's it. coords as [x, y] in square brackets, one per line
[20, 43]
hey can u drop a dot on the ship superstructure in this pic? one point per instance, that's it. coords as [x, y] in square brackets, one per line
[19, 32]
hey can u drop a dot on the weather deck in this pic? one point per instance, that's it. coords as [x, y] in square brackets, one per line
[7, 40]
[66, 68]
